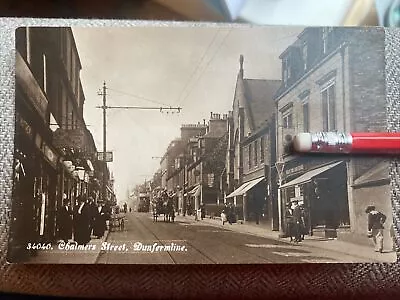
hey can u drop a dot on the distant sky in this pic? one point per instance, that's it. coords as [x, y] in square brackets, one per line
[191, 67]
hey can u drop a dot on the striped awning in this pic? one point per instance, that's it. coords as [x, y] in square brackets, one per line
[245, 187]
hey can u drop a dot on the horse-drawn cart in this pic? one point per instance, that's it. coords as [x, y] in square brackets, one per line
[163, 205]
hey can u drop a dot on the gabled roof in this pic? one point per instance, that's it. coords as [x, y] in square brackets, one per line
[260, 104]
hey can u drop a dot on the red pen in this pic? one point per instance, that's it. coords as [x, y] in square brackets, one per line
[355, 142]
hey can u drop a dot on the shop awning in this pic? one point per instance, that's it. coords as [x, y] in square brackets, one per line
[310, 175]
[189, 191]
[245, 187]
[110, 190]
[195, 191]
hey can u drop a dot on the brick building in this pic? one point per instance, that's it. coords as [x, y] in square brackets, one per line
[173, 164]
[333, 79]
[205, 163]
[250, 156]
[54, 151]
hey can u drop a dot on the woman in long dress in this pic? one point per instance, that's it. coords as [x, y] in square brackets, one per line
[82, 222]
[65, 221]
[99, 221]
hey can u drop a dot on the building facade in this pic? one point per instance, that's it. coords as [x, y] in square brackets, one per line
[205, 164]
[55, 155]
[250, 153]
[332, 80]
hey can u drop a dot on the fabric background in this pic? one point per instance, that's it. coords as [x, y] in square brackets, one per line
[194, 281]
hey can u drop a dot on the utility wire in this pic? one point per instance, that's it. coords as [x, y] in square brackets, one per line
[207, 65]
[136, 96]
[198, 65]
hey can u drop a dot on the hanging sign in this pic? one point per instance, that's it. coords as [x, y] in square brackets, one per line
[108, 158]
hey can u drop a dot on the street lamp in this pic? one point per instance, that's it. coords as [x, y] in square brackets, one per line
[81, 173]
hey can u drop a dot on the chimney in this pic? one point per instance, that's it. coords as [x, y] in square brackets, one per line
[241, 59]
[217, 124]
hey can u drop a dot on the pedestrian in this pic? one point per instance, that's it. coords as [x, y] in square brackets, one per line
[224, 215]
[303, 223]
[99, 220]
[108, 211]
[289, 221]
[92, 213]
[230, 213]
[376, 220]
[297, 221]
[64, 220]
[81, 222]
[202, 211]
[125, 207]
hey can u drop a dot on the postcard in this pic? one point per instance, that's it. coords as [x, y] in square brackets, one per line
[171, 145]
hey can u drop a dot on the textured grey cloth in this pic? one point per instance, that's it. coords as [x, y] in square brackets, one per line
[185, 282]
[392, 69]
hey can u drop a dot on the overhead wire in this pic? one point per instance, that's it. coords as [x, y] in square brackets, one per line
[207, 65]
[137, 96]
[198, 65]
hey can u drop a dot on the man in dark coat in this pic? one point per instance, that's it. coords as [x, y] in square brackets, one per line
[297, 221]
[82, 222]
[99, 220]
[65, 221]
[92, 214]
[376, 219]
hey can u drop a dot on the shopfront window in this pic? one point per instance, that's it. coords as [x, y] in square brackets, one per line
[290, 193]
[255, 153]
[262, 150]
[250, 158]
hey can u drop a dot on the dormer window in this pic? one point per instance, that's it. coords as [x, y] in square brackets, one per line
[286, 70]
[325, 38]
[304, 54]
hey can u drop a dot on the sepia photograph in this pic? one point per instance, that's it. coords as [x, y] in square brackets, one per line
[174, 145]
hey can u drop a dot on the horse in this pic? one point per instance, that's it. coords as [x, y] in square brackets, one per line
[168, 210]
[163, 204]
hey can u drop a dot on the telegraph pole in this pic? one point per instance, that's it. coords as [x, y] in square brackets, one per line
[104, 107]
[104, 141]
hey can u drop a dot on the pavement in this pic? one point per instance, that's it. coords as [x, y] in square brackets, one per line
[361, 251]
[62, 256]
[207, 241]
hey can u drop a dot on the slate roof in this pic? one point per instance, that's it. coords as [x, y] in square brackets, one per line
[260, 104]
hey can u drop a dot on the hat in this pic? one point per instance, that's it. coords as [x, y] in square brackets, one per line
[294, 200]
[370, 208]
